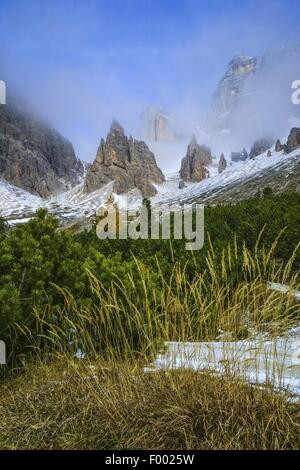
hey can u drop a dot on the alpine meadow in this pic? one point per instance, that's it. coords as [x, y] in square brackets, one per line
[149, 228]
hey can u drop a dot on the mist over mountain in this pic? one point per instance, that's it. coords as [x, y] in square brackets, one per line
[82, 64]
[254, 100]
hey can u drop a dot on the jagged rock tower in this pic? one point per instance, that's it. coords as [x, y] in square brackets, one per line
[127, 162]
[194, 164]
[222, 163]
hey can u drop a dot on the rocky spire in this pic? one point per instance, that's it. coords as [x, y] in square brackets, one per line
[278, 146]
[116, 127]
[193, 165]
[127, 162]
[222, 163]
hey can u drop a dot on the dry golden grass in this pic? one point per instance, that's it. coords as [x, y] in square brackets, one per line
[121, 323]
[66, 405]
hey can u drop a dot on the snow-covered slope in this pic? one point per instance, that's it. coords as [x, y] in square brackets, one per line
[17, 203]
[18, 206]
[239, 181]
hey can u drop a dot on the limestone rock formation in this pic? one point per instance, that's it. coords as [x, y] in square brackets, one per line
[293, 142]
[33, 156]
[127, 162]
[222, 163]
[231, 86]
[260, 146]
[156, 125]
[194, 164]
[242, 97]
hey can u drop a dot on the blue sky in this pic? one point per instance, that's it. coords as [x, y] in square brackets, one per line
[81, 63]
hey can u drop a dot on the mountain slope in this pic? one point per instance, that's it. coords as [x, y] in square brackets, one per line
[239, 181]
[34, 156]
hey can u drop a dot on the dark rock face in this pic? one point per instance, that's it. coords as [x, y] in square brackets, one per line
[293, 142]
[259, 147]
[239, 156]
[181, 184]
[128, 162]
[33, 156]
[222, 163]
[193, 165]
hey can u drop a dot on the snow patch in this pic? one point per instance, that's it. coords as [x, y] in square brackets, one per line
[261, 361]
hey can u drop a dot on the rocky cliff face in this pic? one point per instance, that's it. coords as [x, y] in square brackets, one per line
[194, 164]
[33, 156]
[255, 94]
[128, 162]
[230, 87]
[156, 125]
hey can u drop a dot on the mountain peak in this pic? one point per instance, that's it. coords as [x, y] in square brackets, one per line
[116, 127]
[125, 161]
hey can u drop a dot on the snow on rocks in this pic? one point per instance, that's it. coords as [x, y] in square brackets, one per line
[17, 205]
[168, 192]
